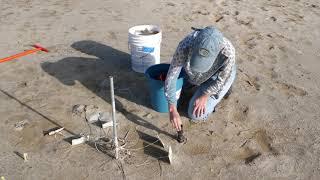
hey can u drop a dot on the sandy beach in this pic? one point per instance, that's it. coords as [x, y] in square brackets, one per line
[269, 127]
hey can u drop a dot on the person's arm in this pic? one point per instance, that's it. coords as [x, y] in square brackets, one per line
[215, 86]
[170, 83]
[177, 63]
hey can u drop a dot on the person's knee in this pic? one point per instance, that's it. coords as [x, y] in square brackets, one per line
[193, 117]
[210, 107]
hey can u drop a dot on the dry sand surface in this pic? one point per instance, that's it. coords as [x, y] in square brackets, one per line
[268, 128]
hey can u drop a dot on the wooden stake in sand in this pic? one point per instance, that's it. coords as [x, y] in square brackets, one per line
[115, 135]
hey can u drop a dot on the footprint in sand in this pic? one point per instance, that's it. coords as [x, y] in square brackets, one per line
[48, 13]
[202, 11]
[290, 90]
[247, 21]
[251, 43]
[170, 4]
[156, 10]
[253, 39]
[246, 154]
[112, 35]
[263, 140]
[188, 18]
[197, 149]
[272, 73]
[239, 113]
[251, 81]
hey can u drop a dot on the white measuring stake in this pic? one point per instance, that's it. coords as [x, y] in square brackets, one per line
[115, 135]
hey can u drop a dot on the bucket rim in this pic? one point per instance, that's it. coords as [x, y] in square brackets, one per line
[134, 28]
[147, 72]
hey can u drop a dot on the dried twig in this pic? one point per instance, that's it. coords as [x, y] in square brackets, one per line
[119, 163]
[160, 168]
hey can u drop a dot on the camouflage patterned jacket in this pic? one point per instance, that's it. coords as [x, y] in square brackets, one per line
[180, 60]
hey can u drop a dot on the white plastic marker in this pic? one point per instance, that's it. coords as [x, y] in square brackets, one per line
[107, 124]
[25, 156]
[55, 131]
[115, 135]
[78, 141]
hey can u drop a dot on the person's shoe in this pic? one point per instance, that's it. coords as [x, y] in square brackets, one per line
[228, 93]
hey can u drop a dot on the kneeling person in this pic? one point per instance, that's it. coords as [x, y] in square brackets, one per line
[208, 60]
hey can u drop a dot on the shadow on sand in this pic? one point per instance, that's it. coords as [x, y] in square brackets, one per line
[93, 74]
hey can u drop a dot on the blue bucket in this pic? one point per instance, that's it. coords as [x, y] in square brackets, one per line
[156, 87]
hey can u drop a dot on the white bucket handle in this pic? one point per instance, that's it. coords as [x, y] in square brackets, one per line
[144, 56]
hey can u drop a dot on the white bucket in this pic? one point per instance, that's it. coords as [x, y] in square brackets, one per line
[144, 45]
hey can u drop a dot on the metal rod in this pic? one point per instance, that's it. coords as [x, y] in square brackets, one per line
[115, 135]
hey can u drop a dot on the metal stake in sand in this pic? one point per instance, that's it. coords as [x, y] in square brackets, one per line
[115, 135]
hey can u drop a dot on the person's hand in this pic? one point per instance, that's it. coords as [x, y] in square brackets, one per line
[199, 106]
[175, 117]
